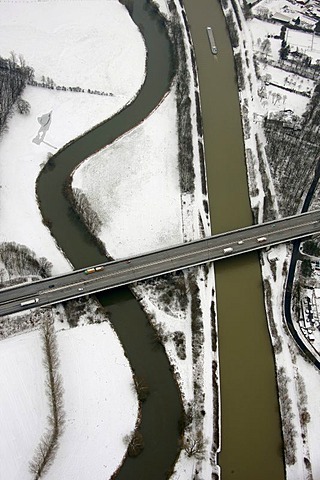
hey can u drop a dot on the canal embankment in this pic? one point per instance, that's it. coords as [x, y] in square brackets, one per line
[250, 421]
[162, 410]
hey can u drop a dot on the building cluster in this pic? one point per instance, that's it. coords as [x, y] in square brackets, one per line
[309, 320]
[299, 13]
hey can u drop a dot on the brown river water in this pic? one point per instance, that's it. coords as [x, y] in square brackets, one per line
[251, 434]
[251, 446]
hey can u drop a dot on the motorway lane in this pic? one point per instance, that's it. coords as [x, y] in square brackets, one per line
[129, 270]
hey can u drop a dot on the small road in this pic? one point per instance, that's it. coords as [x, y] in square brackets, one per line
[121, 272]
[299, 338]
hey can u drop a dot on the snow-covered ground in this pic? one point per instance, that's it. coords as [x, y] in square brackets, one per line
[84, 50]
[304, 42]
[76, 43]
[23, 403]
[99, 400]
[302, 380]
[278, 98]
[149, 216]
[141, 210]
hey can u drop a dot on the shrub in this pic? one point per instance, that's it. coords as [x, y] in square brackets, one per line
[136, 445]
[142, 388]
[311, 247]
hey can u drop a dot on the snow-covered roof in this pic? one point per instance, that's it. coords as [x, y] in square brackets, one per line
[281, 17]
[317, 293]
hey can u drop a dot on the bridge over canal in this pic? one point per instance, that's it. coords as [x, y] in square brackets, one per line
[113, 274]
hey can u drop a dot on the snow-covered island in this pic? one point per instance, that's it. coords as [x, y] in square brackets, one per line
[68, 90]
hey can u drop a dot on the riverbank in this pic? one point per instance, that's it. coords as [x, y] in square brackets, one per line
[72, 113]
[295, 377]
[185, 223]
[146, 210]
[189, 211]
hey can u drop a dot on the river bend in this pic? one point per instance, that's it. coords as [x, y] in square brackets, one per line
[162, 410]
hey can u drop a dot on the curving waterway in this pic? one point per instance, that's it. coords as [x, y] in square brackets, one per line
[162, 410]
[251, 434]
[251, 431]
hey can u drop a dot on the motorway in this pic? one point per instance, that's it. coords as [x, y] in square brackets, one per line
[121, 272]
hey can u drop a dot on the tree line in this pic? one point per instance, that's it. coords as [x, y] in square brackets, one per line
[14, 75]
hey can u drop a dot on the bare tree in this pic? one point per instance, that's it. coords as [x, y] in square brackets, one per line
[195, 445]
[48, 445]
[23, 106]
[85, 211]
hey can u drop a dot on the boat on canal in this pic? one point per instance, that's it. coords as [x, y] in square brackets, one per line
[212, 42]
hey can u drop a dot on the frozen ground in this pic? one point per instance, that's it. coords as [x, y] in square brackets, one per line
[303, 378]
[99, 400]
[95, 57]
[140, 210]
[76, 43]
[23, 403]
[278, 98]
[73, 113]
[304, 42]
[68, 57]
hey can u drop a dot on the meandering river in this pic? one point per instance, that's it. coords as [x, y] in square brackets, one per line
[251, 436]
[162, 410]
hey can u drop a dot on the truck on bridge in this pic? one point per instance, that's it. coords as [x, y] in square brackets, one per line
[29, 302]
[93, 269]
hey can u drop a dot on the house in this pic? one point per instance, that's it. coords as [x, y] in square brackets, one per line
[280, 17]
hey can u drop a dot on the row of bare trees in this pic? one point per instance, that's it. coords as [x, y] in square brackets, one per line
[46, 450]
[19, 260]
[183, 102]
[293, 155]
[14, 75]
[85, 211]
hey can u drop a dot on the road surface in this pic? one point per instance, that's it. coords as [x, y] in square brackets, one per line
[121, 272]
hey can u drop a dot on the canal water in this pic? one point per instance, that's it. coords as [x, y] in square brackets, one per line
[251, 438]
[251, 430]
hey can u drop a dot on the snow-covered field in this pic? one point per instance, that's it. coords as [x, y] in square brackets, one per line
[23, 403]
[304, 42]
[76, 43]
[99, 400]
[278, 98]
[84, 50]
[303, 380]
[141, 211]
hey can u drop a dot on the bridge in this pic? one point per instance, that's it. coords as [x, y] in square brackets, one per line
[113, 274]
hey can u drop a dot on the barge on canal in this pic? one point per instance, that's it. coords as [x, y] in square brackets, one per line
[212, 42]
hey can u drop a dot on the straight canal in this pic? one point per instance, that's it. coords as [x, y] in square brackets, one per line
[251, 438]
[251, 430]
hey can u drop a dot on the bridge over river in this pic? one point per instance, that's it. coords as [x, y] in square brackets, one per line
[125, 271]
